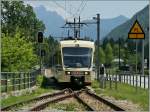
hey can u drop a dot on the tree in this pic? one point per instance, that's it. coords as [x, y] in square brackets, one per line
[116, 50]
[109, 54]
[132, 60]
[17, 15]
[17, 54]
[102, 56]
[51, 47]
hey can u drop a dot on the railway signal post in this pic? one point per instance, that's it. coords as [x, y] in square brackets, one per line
[40, 40]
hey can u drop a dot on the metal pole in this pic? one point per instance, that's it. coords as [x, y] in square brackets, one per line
[68, 33]
[98, 40]
[119, 53]
[40, 60]
[74, 28]
[136, 64]
[79, 26]
[143, 57]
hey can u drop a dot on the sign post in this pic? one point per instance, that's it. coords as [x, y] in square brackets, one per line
[136, 32]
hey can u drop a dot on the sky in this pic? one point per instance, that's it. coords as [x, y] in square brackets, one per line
[89, 9]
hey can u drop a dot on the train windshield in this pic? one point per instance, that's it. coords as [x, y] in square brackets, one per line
[77, 57]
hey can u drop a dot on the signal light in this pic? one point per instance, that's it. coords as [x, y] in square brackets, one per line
[40, 37]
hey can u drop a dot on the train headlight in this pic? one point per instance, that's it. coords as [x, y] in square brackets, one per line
[86, 73]
[68, 73]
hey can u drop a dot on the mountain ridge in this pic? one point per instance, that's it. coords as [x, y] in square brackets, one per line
[122, 30]
[53, 21]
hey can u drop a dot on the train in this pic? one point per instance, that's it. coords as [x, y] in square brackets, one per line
[76, 62]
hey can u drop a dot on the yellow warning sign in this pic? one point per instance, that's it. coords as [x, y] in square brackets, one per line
[136, 31]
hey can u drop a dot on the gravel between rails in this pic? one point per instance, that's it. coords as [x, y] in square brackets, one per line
[69, 104]
[96, 104]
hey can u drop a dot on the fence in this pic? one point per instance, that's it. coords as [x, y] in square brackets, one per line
[12, 81]
[136, 80]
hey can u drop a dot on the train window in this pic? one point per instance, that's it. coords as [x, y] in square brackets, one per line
[77, 57]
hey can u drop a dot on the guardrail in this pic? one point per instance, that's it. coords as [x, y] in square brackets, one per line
[12, 81]
[136, 80]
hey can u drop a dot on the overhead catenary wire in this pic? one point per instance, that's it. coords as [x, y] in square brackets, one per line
[60, 6]
[65, 10]
[73, 15]
[82, 8]
[79, 7]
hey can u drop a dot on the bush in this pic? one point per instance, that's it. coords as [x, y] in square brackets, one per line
[42, 81]
[17, 54]
[146, 72]
[39, 80]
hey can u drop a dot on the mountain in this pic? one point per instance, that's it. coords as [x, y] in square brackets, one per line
[106, 25]
[123, 29]
[53, 22]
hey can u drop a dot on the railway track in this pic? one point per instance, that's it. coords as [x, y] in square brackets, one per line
[91, 101]
[95, 102]
[34, 101]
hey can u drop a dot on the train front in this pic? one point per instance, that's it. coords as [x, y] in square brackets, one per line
[77, 61]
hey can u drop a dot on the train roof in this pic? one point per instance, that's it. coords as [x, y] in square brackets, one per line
[72, 43]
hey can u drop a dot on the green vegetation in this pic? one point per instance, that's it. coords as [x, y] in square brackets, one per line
[127, 53]
[51, 47]
[108, 54]
[68, 106]
[20, 50]
[122, 30]
[102, 56]
[39, 80]
[27, 96]
[17, 53]
[17, 15]
[19, 29]
[128, 46]
[125, 92]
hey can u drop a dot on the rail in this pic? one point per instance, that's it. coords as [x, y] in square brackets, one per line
[40, 103]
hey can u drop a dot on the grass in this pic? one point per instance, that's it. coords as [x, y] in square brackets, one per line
[65, 107]
[125, 92]
[15, 99]
[70, 106]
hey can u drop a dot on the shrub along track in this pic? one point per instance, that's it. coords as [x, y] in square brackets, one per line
[91, 101]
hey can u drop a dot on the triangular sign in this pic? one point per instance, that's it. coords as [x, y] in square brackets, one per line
[136, 31]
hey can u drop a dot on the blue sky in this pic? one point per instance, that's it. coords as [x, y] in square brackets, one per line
[107, 9]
